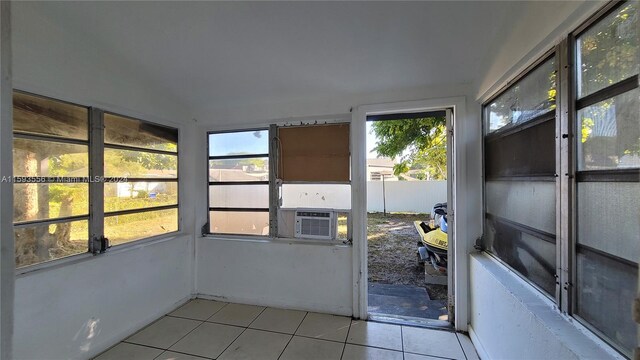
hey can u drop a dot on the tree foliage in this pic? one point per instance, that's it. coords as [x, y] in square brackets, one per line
[417, 144]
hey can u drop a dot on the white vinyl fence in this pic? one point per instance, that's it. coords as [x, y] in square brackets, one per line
[406, 196]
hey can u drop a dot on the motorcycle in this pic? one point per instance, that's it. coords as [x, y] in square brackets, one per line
[434, 243]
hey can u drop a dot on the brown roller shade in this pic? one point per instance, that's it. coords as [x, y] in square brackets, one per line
[314, 153]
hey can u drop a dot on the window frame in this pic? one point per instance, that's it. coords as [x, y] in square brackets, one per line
[96, 185]
[553, 52]
[274, 185]
[577, 176]
[207, 227]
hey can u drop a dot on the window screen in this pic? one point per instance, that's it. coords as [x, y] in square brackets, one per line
[314, 153]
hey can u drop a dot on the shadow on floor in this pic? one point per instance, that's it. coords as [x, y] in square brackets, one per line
[405, 301]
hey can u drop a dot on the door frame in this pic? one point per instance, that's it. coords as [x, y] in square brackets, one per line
[455, 150]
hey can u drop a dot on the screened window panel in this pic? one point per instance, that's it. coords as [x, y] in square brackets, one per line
[239, 222]
[41, 116]
[610, 133]
[604, 295]
[239, 196]
[119, 130]
[609, 217]
[531, 96]
[138, 195]
[48, 158]
[247, 169]
[121, 229]
[42, 201]
[512, 155]
[533, 257]
[139, 164]
[323, 196]
[530, 203]
[608, 52]
[45, 242]
[239, 143]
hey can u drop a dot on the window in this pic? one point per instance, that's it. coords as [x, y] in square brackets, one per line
[239, 182]
[146, 155]
[520, 166]
[51, 171]
[310, 169]
[577, 171]
[55, 188]
[608, 175]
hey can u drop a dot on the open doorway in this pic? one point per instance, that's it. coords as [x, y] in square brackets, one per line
[407, 233]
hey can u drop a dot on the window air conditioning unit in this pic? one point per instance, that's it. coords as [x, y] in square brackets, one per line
[316, 224]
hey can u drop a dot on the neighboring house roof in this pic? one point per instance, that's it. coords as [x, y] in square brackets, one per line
[381, 162]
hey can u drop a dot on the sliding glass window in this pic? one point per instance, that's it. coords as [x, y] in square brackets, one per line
[608, 175]
[81, 175]
[50, 175]
[238, 167]
[520, 167]
[141, 179]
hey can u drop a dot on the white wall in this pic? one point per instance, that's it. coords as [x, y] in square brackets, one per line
[79, 309]
[406, 196]
[510, 320]
[309, 277]
[76, 311]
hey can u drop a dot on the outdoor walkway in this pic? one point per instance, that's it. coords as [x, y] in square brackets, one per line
[406, 301]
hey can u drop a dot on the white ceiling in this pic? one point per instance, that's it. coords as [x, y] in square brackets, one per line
[217, 54]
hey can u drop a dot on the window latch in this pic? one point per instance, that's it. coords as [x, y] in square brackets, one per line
[99, 245]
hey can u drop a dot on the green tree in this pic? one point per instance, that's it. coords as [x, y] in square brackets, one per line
[418, 144]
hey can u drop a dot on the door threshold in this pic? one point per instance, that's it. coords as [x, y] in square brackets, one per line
[411, 321]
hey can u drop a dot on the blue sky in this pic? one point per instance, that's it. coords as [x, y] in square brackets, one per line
[247, 142]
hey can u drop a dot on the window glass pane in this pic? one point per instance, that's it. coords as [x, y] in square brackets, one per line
[139, 164]
[607, 52]
[532, 257]
[39, 243]
[48, 201]
[605, 292]
[234, 222]
[48, 158]
[120, 229]
[609, 217]
[530, 203]
[239, 196]
[511, 155]
[120, 130]
[239, 143]
[533, 95]
[42, 116]
[137, 195]
[323, 196]
[609, 134]
[249, 169]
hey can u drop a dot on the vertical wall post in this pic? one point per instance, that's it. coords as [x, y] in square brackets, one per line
[7, 261]
[96, 171]
[359, 212]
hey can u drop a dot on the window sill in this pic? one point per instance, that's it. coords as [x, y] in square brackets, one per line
[80, 258]
[276, 240]
[572, 335]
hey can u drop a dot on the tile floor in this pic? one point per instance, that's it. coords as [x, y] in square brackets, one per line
[205, 329]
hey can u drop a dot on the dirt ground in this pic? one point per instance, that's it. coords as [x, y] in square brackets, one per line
[392, 252]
